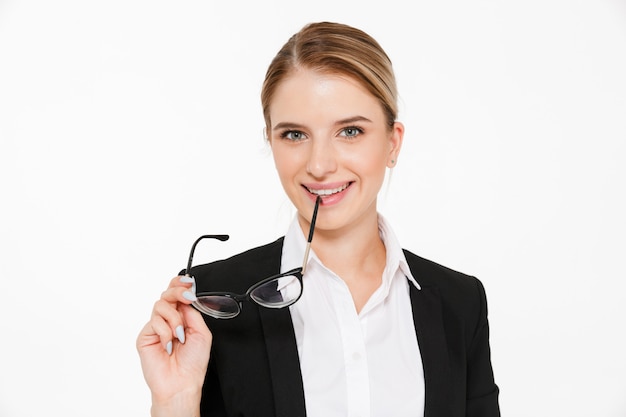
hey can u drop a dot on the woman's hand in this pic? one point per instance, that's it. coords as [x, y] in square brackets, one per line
[174, 348]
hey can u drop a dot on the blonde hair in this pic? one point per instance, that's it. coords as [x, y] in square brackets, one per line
[335, 48]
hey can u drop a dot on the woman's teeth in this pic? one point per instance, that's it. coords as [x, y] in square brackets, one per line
[329, 191]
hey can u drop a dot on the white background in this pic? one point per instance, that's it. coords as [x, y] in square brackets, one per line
[128, 128]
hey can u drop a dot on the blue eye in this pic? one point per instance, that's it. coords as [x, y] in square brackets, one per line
[351, 132]
[293, 135]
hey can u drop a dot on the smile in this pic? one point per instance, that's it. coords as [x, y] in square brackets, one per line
[328, 191]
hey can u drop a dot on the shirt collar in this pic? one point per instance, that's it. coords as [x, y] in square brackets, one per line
[295, 244]
[395, 255]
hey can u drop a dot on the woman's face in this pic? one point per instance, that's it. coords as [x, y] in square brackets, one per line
[329, 138]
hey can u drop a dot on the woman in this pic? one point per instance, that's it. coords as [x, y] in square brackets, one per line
[376, 331]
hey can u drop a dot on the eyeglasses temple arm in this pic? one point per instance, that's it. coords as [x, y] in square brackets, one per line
[193, 248]
[308, 244]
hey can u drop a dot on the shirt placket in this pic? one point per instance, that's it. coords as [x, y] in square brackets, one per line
[354, 353]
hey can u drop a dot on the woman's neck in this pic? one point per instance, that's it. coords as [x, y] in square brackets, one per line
[356, 253]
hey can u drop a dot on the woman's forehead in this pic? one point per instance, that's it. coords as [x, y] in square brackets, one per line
[306, 92]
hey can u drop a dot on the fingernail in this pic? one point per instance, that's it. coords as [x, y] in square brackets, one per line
[180, 333]
[189, 280]
[169, 347]
[189, 296]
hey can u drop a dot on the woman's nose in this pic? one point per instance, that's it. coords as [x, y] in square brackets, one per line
[322, 158]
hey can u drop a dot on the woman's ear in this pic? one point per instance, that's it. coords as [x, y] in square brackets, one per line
[395, 141]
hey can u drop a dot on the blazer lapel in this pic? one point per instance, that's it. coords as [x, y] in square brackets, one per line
[282, 354]
[428, 321]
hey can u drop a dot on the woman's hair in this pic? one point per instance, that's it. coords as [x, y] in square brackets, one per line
[334, 48]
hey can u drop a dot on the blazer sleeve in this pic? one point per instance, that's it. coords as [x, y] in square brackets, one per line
[482, 392]
[450, 313]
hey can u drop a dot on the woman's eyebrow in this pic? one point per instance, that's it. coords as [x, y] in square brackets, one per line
[346, 121]
[287, 125]
[352, 120]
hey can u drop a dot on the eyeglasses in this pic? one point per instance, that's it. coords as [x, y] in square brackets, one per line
[277, 291]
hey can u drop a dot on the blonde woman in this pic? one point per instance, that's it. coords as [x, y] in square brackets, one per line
[334, 318]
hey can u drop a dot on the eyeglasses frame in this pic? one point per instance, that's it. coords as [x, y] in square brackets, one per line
[240, 298]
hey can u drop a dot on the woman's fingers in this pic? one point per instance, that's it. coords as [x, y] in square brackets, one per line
[174, 346]
[156, 331]
[182, 280]
[181, 290]
[167, 322]
[195, 322]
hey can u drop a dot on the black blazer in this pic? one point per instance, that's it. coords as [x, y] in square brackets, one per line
[254, 368]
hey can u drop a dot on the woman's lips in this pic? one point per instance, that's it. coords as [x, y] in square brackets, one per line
[327, 190]
[330, 193]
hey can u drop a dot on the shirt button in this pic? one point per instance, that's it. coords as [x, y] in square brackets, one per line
[356, 356]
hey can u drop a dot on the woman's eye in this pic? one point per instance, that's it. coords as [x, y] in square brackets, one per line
[293, 135]
[351, 132]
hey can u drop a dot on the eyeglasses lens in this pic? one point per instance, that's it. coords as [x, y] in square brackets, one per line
[218, 306]
[278, 293]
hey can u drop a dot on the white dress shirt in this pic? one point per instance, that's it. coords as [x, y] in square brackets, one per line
[356, 365]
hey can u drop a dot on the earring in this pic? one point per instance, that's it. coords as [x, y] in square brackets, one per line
[393, 161]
